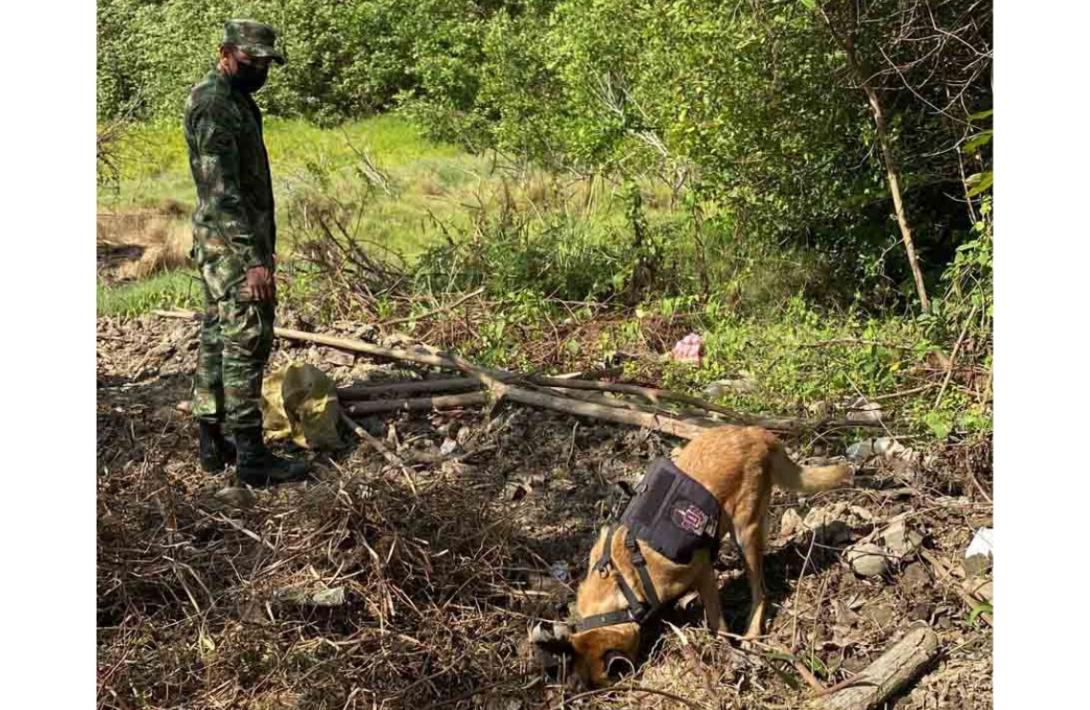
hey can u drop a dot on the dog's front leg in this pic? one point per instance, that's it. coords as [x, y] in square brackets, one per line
[708, 589]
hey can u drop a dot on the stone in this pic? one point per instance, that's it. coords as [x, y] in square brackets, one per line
[978, 587]
[829, 523]
[882, 446]
[330, 597]
[867, 560]
[869, 412]
[920, 612]
[916, 576]
[791, 524]
[879, 614]
[236, 497]
[721, 388]
[339, 357]
[900, 539]
[448, 447]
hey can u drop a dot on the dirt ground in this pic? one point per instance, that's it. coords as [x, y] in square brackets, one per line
[374, 586]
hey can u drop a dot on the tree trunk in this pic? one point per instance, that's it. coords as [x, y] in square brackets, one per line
[881, 131]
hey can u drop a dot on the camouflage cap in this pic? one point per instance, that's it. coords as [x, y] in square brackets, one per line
[255, 38]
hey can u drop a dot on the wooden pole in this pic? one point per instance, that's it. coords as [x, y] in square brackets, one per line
[894, 669]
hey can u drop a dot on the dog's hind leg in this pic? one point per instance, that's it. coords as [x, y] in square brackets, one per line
[751, 539]
[749, 532]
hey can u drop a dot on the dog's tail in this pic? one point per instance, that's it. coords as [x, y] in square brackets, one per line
[806, 479]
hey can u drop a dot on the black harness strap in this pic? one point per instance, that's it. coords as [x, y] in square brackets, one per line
[637, 610]
[640, 564]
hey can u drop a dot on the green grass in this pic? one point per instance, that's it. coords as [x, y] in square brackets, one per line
[426, 177]
[173, 289]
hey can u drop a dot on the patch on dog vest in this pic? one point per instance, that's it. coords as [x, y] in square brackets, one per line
[673, 513]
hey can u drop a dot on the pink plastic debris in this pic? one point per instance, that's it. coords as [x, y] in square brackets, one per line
[689, 349]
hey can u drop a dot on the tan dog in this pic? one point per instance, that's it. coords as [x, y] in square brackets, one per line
[738, 466]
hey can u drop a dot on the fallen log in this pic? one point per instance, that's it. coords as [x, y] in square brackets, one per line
[377, 390]
[659, 422]
[685, 415]
[450, 401]
[894, 669]
[492, 378]
[663, 423]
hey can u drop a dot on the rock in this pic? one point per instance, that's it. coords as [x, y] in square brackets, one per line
[364, 332]
[920, 612]
[396, 340]
[185, 406]
[881, 446]
[901, 540]
[915, 576]
[236, 497]
[864, 411]
[867, 560]
[829, 523]
[881, 614]
[330, 597]
[339, 357]
[979, 588]
[739, 385]
[791, 524]
[448, 447]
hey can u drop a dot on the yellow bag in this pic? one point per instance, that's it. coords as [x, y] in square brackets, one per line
[299, 402]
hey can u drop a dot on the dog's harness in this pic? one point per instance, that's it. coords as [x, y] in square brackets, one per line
[676, 516]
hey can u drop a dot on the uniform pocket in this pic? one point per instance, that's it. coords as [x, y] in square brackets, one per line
[222, 274]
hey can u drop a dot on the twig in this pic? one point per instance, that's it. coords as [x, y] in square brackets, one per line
[969, 599]
[434, 311]
[954, 355]
[378, 446]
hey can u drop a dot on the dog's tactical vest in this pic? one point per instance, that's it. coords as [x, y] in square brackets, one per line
[676, 516]
[673, 513]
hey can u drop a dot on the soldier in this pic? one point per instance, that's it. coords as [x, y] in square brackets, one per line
[234, 242]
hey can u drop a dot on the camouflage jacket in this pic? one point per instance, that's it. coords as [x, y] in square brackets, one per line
[233, 225]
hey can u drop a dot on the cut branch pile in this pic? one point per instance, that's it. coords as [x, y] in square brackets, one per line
[587, 398]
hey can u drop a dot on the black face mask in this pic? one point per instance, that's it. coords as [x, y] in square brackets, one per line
[248, 78]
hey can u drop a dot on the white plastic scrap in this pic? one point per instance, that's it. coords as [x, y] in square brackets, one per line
[981, 544]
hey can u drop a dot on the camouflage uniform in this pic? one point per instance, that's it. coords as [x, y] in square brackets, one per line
[233, 230]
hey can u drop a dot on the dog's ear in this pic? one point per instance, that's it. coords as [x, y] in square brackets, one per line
[554, 642]
[617, 665]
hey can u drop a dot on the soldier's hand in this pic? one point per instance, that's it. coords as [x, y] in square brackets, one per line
[260, 283]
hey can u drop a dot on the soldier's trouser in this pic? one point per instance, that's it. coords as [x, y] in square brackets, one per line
[236, 339]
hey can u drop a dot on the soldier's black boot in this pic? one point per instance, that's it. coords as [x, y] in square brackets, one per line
[216, 451]
[257, 466]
